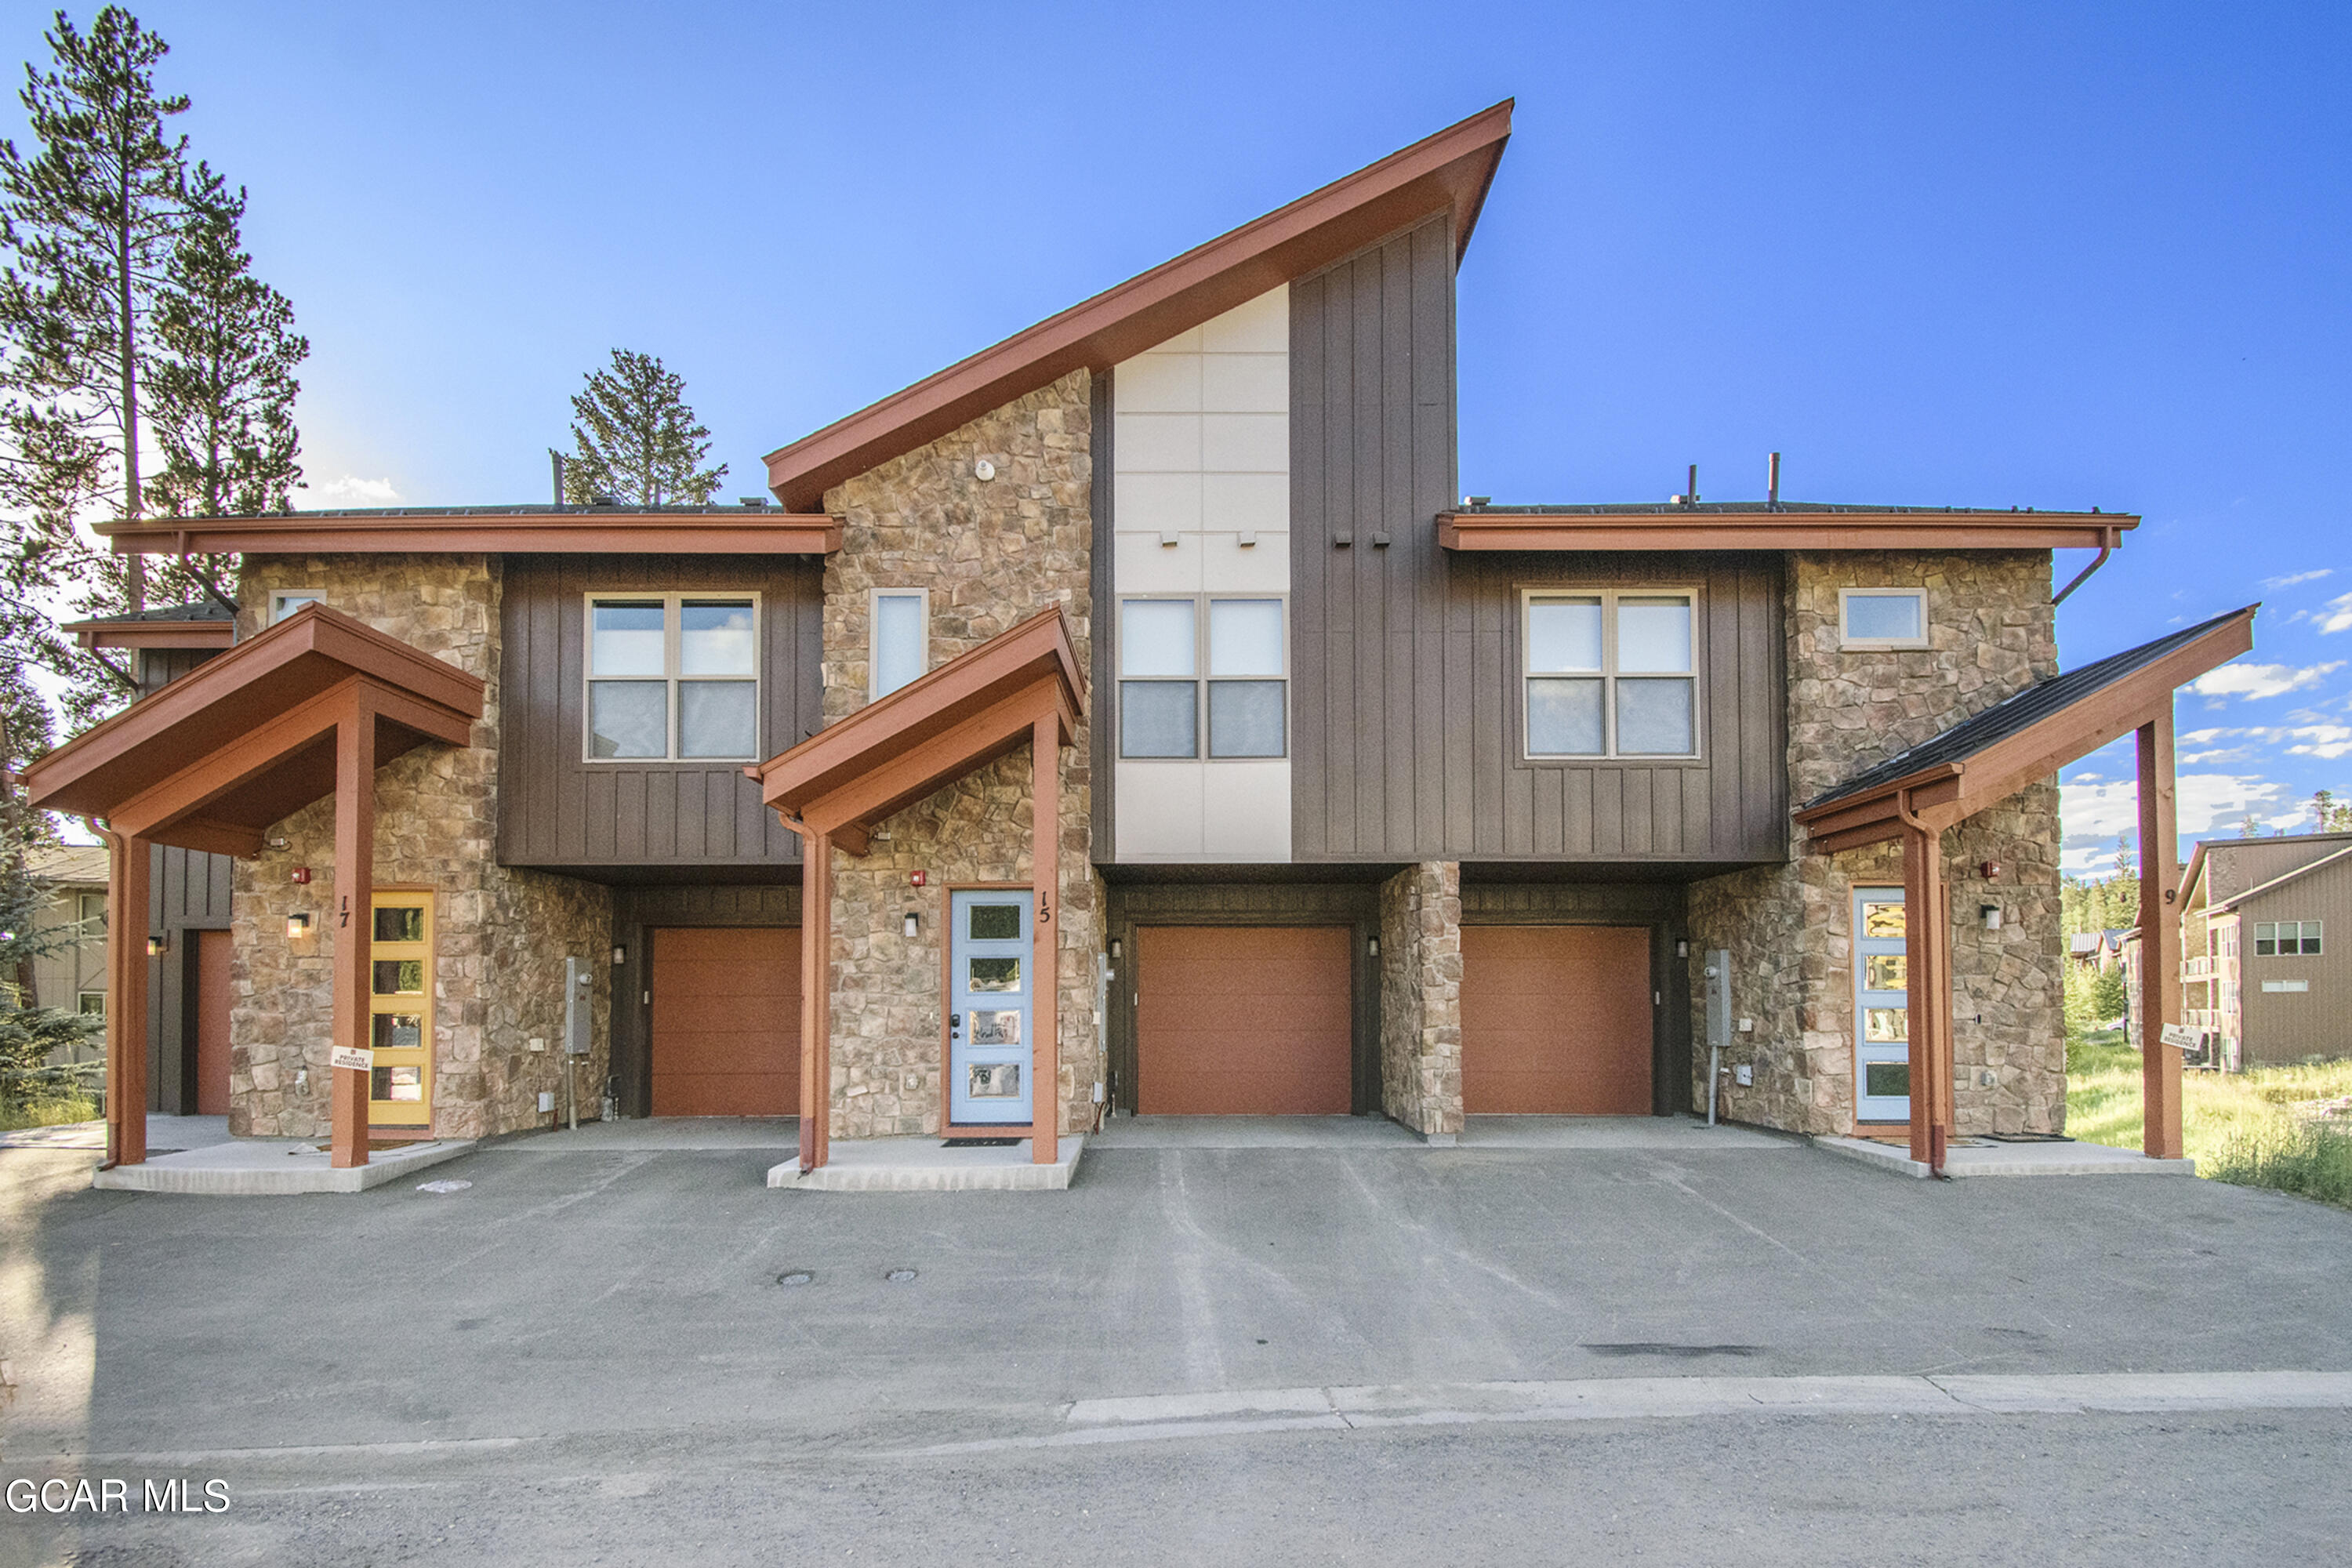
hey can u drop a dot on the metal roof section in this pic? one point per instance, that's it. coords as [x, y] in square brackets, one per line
[1775, 525]
[709, 530]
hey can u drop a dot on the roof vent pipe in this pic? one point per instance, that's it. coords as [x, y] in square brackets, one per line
[1773, 483]
[555, 461]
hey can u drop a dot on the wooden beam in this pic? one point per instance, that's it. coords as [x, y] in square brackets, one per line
[239, 760]
[1683, 528]
[127, 966]
[901, 779]
[354, 922]
[1926, 955]
[2160, 942]
[816, 997]
[1045, 961]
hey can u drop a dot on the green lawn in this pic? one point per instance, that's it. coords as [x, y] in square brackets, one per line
[48, 1111]
[2238, 1127]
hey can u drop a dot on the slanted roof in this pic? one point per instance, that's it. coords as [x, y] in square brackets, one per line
[2222, 870]
[2022, 738]
[1776, 525]
[971, 709]
[506, 529]
[203, 623]
[71, 865]
[1450, 170]
[248, 739]
[2234, 900]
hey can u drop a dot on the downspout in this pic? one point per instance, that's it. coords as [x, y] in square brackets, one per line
[2106, 548]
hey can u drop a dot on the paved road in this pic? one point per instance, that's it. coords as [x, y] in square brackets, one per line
[587, 1357]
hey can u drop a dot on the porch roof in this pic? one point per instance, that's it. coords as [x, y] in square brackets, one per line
[888, 755]
[2022, 738]
[248, 738]
[201, 624]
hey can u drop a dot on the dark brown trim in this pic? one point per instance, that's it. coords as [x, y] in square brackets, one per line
[1762, 529]
[638, 912]
[1449, 172]
[585, 532]
[191, 634]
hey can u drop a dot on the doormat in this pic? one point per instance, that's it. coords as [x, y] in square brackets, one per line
[980, 1143]
[2025, 1137]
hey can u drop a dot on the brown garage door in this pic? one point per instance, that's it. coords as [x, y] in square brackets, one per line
[727, 1022]
[1242, 1021]
[1555, 1020]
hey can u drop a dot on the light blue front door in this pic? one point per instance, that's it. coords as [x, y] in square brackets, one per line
[989, 991]
[1882, 1008]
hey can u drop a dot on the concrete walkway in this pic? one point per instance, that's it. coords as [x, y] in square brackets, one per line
[271, 1167]
[165, 1134]
[1669, 1133]
[931, 1165]
[1974, 1157]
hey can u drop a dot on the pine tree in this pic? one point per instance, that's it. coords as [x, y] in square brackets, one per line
[636, 439]
[2333, 815]
[224, 392]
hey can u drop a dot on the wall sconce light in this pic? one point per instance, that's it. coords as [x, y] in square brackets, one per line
[914, 923]
[620, 956]
[297, 927]
[1681, 949]
[1991, 915]
[1114, 947]
[157, 946]
[301, 876]
[1371, 947]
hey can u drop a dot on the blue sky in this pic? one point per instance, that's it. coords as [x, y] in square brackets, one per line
[2038, 254]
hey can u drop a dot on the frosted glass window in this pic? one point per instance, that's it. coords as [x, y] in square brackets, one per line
[627, 639]
[717, 719]
[1564, 719]
[1893, 617]
[1563, 634]
[1245, 718]
[1653, 635]
[901, 641]
[628, 718]
[1156, 639]
[1245, 639]
[1653, 718]
[1157, 719]
[715, 638]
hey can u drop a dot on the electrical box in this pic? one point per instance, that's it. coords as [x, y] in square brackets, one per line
[578, 996]
[1718, 1000]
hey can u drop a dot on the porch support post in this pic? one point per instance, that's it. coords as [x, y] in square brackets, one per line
[1927, 957]
[1045, 867]
[127, 966]
[2160, 942]
[355, 923]
[816, 997]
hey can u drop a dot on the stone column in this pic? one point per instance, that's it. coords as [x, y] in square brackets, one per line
[1421, 999]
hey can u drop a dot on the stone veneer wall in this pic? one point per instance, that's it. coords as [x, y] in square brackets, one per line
[992, 553]
[1787, 928]
[1421, 997]
[500, 934]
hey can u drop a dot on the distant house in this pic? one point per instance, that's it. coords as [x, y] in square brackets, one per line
[2256, 968]
[2099, 949]
[72, 976]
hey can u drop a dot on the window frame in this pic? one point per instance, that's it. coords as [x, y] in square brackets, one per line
[2306, 932]
[1201, 680]
[671, 600]
[83, 1007]
[86, 935]
[277, 597]
[1848, 642]
[1608, 675]
[874, 597]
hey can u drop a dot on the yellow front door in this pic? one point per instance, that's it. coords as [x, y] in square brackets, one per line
[400, 1002]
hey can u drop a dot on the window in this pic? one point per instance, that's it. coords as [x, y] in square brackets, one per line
[1611, 674]
[90, 914]
[1163, 646]
[91, 1004]
[2286, 939]
[902, 638]
[286, 601]
[1882, 618]
[673, 676]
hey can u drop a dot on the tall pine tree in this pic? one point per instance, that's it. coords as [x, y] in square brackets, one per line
[636, 439]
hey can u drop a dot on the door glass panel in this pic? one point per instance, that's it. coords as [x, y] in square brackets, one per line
[714, 637]
[996, 1026]
[1653, 635]
[1157, 719]
[400, 925]
[399, 1031]
[995, 922]
[399, 976]
[716, 719]
[1889, 1079]
[1244, 718]
[1886, 1025]
[1156, 637]
[1883, 972]
[1564, 719]
[1882, 919]
[398, 1083]
[1563, 634]
[628, 718]
[1245, 638]
[1653, 718]
[626, 640]
[995, 973]
[994, 1081]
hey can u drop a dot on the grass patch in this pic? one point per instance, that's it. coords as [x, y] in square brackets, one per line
[48, 1111]
[2239, 1127]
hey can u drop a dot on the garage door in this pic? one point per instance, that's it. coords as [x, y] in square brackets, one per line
[1243, 1021]
[1555, 1020]
[727, 1022]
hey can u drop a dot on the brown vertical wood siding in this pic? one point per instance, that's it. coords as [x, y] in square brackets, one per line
[1407, 730]
[557, 810]
[188, 892]
[2290, 1025]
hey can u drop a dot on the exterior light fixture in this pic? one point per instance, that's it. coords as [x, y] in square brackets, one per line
[297, 927]
[1371, 947]
[1114, 947]
[1990, 869]
[301, 876]
[913, 923]
[1990, 914]
[620, 956]
[1681, 949]
[157, 946]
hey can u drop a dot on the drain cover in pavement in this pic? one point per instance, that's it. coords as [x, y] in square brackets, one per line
[796, 1276]
[900, 1276]
[979, 1142]
[442, 1186]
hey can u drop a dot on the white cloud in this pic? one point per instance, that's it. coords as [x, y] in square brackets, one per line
[2339, 614]
[2293, 578]
[353, 490]
[2258, 681]
[2328, 741]
[2205, 804]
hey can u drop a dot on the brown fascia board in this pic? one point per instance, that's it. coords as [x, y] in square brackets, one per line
[472, 532]
[1452, 170]
[193, 634]
[1767, 530]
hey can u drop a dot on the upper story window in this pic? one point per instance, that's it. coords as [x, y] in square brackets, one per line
[901, 620]
[1610, 673]
[1165, 645]
[284, 602]
[1882, 618]
[90, 914]
[2286, 939]
[673, 676]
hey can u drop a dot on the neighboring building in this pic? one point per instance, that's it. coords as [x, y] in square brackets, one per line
[2099, 949]
[72, 974]
[1182, 742]
[2256, 967]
